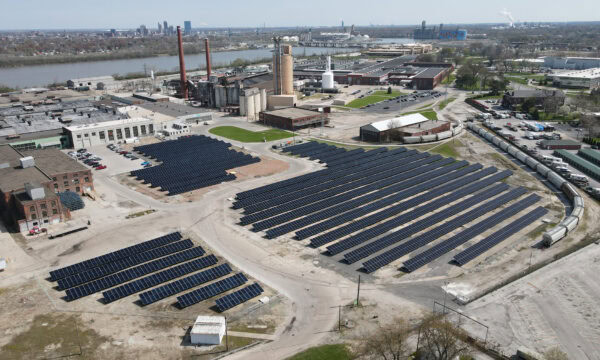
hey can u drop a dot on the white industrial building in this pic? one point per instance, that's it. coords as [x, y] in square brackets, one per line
[574, 63]
[109, 132]
[94, 83]
[252, 102]
[582, 79]
[208, 330]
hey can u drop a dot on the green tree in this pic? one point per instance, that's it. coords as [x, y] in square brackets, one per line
[388, 342]
[441, 340]
[527, 105]
[497, 86]
[555, 354]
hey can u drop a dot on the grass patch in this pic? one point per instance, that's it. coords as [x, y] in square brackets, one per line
[243, 135]
[430, 114]
[268, 328]
[538, 231]
[448, 149]
[377, 96]
[52, 336]
[503, 160]
[445, 103]
[324, 352]
[426, 106]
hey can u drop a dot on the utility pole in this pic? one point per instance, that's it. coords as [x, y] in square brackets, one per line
[340, 318]
[445, 292]
[358, 292]
[226, 336]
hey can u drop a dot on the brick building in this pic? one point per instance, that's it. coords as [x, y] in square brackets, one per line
[293, 118]
[30, 181]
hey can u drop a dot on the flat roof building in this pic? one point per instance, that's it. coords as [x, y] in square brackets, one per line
[560, 144]
[577, 79]
[293, 118]
[109, 132]
[208, 330]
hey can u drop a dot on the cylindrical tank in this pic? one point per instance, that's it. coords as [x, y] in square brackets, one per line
[257, 104]
[249, 107]
[243, 110]
[327, 77]
[263, 99]
[287, 71]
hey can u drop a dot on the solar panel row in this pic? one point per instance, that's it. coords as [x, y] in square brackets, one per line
[445, 228]
[211, 290]
[338, 208]
[331, 179]
[132, 273]
[186, 283]
[238, 297]
[113, 256]
[158, 278]
[484, 245]
[100, 271]
[451, 243]
[350, 181]
[345, 191]
[401, 207]
[390, 239]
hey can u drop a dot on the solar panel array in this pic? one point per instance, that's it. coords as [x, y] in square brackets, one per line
[462, 237]
[190, 163]
[377, 205]
[211, 290]
[143, 267]
[484, 245]
[238, 297]
[113, 256]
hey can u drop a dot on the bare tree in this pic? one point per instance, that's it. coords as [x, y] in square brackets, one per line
[555, 354]
[388, 342]
[441, 340]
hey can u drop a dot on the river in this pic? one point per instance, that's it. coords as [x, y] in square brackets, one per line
[41, 75]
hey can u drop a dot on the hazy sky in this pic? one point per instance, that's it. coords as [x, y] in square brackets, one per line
[79, 14]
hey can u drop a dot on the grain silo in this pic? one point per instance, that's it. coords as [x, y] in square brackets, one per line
[327, 77]
[287, 71]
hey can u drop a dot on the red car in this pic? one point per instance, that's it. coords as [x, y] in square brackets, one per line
[123, 152]
[100, 167]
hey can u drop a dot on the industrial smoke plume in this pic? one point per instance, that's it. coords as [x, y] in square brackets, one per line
[509, 16]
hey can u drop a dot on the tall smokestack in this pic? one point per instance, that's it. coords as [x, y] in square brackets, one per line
[207, 59]
[182, 75]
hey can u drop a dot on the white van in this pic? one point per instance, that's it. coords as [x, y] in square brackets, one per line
[551, 159]
[579, 178]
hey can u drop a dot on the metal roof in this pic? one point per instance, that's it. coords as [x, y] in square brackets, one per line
[395, 123]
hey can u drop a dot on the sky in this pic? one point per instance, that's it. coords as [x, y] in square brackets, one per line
[125, 14]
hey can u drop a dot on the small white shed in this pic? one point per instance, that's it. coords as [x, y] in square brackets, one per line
[208, 330]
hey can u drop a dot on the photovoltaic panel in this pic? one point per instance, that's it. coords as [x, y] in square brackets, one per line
[110, 268]
[238, 297]
[392, 238]
[132, 273]
[484, 245]
[158, 278]
[451, 243]
[441, 230]
[211, 290]
[114, 256]
[184, 284]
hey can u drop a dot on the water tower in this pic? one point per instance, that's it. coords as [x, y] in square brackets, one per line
[327, 77]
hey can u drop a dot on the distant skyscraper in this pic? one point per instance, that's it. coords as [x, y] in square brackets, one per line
[187, 27]
[159, 28]
[166, 27]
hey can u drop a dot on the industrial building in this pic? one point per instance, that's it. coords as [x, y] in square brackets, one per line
[29, 182]
[208, 330]
[109, 132]
[553, 98]
[577, 79]
[293, 118]
[560, 144]
[573, 63]
[93, 83]
[429, 78]
[425, 33]
[400, 50]
[399, 127]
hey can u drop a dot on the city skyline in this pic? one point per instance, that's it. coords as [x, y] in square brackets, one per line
[70, 14]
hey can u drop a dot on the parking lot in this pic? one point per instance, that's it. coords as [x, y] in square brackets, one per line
[114, 162]
[533, 148]
[402, 102]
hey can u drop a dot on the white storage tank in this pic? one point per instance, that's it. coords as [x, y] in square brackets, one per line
[327, 77]
[208, 330]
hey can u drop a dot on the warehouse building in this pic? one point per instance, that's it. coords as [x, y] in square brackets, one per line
[293, 118]
[403, 126]
[560, 144]
[578, 79]
[430, 78]
[512, 99]
[574, 63]
[109, 132]
[208, 330]
[93, 83]
[29, 182]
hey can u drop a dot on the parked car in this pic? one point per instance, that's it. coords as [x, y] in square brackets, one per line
[147, 165]
[81, 151]
[133, 157]
[148, 162]
[101, 167]
[123, 152]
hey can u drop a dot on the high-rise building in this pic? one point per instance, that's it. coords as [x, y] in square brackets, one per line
[159, 28]
[165, 27]
[187, 27]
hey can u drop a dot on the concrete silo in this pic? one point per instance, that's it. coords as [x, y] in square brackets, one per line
[327, 77]
[287, 71]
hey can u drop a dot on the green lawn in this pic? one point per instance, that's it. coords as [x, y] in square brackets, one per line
[243, 135]
[445, 103]
[374, 98]
[324, 352]
[430, 114]
[447, 149]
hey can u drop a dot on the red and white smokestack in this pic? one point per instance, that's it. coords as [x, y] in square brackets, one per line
[182, 75]
[207, 59]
